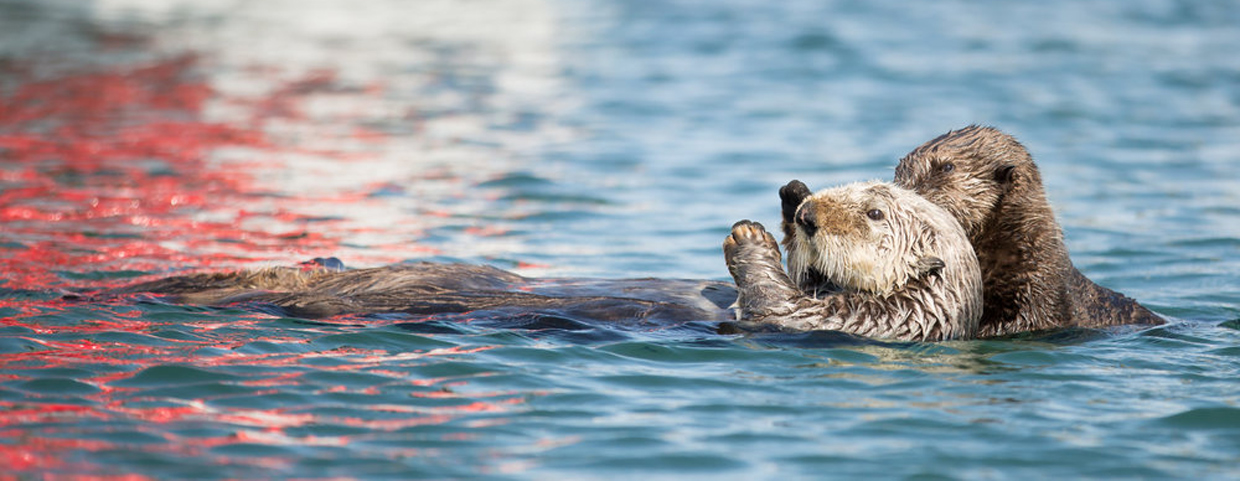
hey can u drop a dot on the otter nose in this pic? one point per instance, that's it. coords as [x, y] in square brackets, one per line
[805, 218]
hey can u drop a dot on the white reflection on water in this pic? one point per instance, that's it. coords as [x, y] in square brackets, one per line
[421, 100]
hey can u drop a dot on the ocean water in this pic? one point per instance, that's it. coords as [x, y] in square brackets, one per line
[601, 139]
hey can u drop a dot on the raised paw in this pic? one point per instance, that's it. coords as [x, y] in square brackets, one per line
[791, 196]
[749, 236]
[753, 260]
[750, 232]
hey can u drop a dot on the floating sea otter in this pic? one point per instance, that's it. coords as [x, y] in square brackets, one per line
[988, 181]
[868, 258]
[890, 265]
[980, 176]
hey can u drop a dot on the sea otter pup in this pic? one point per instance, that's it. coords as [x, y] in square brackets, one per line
[988, 181]
[868, 258]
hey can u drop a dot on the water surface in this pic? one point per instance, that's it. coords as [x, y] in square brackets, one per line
[608, 139]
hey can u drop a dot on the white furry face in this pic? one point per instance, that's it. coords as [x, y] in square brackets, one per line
[871, 237]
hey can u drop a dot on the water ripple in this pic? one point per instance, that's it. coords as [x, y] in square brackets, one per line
[612, 139]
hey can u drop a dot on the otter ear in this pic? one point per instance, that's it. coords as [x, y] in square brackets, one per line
[929, 266]
[1005, 174]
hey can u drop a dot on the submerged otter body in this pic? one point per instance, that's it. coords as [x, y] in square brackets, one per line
[869, 258]
[990, 184]
[428, 288]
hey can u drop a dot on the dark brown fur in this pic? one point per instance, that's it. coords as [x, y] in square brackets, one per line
[989, 182]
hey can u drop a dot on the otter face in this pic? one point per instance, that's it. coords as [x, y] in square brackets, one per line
[967, 172]
[871, 237]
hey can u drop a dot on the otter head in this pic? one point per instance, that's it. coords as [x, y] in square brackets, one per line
[875, 237]
[970, 172]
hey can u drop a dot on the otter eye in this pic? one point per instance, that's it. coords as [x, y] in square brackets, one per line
[947, 168]
[874, 214]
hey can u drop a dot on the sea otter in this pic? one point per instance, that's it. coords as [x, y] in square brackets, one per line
[989, 183]
[869, 258]
[912, 276]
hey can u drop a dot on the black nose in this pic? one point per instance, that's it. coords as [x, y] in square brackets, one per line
[805, 218]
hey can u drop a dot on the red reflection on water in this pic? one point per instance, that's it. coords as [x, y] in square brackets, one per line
[122, 404]
[108, 166]
[37, 452]
[34, 419]
[109, 171]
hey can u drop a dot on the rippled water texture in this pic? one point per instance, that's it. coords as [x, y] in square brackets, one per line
[607, 139]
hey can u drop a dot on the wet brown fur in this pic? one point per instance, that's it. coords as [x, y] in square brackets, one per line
[989, 182]
[430, 288]
[906, 272]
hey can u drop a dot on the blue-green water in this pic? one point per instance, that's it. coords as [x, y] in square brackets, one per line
[603, 139]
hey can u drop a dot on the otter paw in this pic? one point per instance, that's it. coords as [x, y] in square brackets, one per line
[791, 196]
[750, 232]
[747, 233]
[753, 260]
